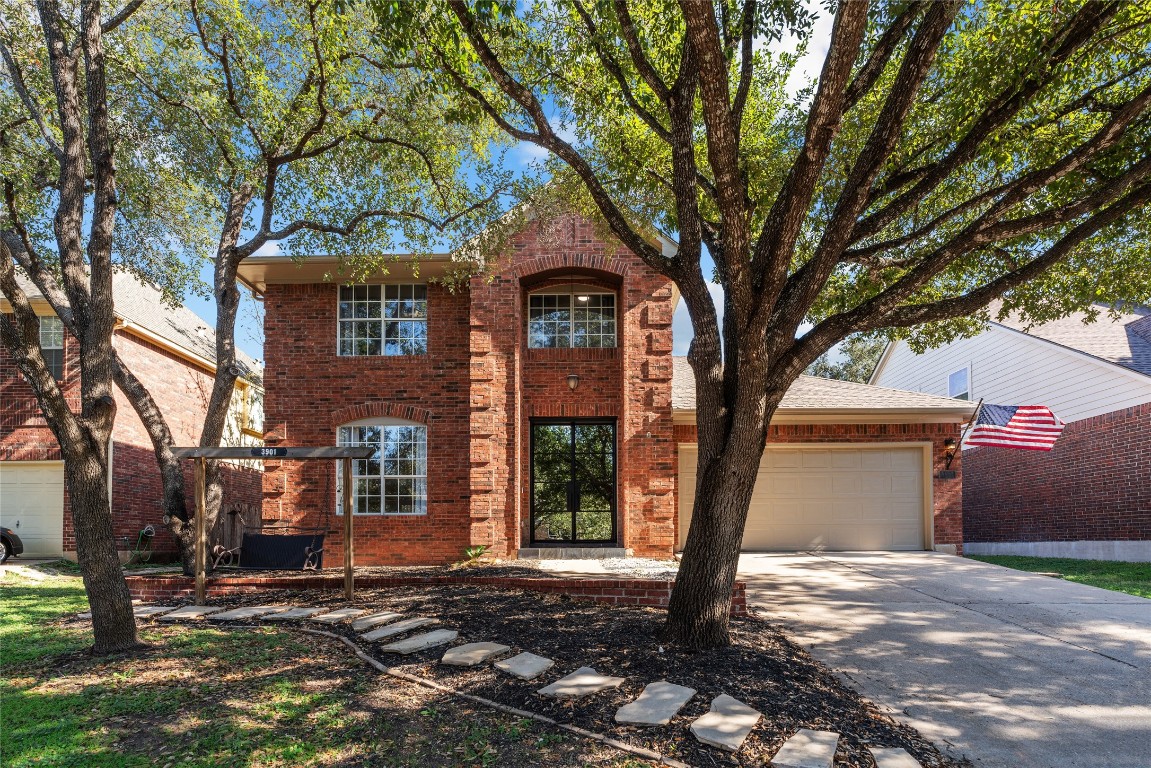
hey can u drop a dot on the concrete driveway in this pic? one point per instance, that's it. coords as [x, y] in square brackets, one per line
[1006, 668]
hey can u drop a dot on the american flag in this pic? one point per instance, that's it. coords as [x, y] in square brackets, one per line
[1030, 427]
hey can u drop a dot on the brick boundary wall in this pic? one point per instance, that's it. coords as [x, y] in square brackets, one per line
[647, 592]
[1092, 486]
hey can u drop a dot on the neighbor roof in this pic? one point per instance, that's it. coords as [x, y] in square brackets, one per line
[811, 395]
[141, 305]
[1125, 340]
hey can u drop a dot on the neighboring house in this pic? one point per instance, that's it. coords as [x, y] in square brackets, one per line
[540, 412]
[172, 351]
[1090, 497]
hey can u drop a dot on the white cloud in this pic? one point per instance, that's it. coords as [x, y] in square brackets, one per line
[811, 63]
[268, 249]
[681, 329]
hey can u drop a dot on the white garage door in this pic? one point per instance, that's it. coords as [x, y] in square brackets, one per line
[32, 504]
[828, 497]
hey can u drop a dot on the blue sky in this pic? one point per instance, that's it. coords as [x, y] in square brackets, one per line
[249, 332]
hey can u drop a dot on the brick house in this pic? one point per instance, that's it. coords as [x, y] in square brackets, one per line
[1090, 496]
[172, 351]
[539, 412]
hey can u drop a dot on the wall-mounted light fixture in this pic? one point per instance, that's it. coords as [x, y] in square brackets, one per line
[573, 381]
[949, 446]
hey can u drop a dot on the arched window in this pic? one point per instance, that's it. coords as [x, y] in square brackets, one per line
[571, 315]
[394, 480]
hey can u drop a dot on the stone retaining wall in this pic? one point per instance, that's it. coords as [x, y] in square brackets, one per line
[649, 592]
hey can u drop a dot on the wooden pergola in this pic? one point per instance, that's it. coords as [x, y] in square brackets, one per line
[201, 455]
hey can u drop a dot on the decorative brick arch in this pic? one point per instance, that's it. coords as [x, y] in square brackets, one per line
[581, 261]
[381, 409]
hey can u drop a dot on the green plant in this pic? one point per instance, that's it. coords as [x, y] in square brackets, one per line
[472, 555]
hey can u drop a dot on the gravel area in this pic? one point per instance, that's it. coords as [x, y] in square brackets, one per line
[762, 668]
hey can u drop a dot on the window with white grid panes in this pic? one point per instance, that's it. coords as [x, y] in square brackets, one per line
[383, 320]
[52, 345]
[571, 320]
[393, 480]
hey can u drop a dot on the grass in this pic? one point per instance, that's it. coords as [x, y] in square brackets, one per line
[1132, 578]
[202, 696]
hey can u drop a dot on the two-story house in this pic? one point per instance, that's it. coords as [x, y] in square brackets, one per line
[538, 411]
[172, 351]
[1090, 497]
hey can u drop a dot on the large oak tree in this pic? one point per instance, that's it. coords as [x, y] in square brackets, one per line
[947, 154]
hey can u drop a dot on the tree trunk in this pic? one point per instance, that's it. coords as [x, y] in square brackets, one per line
[113, 624]
[700, 605]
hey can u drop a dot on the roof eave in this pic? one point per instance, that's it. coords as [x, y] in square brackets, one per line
[927, 415]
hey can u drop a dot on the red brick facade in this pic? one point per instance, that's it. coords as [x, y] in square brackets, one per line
[477, 390]
[946, 494]
[181, 391]
[1095, 485]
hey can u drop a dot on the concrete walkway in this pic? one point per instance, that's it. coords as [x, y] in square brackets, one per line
[1011, 669]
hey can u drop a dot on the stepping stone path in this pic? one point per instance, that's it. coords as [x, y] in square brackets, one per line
[896, 757]
[472, 654]
[807, 749]
[399, 628]
[583, 682]
[525, 666]
[422, 642]
[657, 705]
[293, 614]
[374, 620]
[139, 611]
[251, 612]
[190, 612]
[727, 724]
[343, 614]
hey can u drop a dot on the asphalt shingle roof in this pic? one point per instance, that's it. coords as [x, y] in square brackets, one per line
[1125, 340]
[141, 304]
[812, 392]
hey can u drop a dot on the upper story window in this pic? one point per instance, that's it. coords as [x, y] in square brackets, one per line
[959, 384]
[394, 480]
[52, 345]
[383, 320]
[571, 319]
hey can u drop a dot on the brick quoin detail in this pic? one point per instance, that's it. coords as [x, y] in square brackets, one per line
[1094, 485]
[646, 592]
[947, 495]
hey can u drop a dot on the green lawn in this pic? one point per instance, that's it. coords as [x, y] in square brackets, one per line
[202, 696]
[1132, 578]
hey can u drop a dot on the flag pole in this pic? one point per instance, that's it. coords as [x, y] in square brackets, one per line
[974, 418]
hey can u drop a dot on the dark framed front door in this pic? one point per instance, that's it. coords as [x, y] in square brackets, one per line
[573, 482]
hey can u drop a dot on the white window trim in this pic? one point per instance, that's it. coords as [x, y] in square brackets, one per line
[947, 382]
[40, 337]
[339, 321]
[382, 422]
[576, 290]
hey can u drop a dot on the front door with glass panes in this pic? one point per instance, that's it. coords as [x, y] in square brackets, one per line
[573, 482]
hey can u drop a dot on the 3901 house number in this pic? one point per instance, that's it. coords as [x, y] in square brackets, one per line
[265, 453]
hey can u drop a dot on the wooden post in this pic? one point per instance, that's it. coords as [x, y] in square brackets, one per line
[201, 532]
[346, 503]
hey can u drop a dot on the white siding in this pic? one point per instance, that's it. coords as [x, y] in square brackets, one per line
[1010, 368]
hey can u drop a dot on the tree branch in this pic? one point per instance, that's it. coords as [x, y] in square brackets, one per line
[881, 54]
[635, 48]
[124, 14]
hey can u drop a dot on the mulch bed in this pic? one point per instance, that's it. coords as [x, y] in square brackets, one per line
[762, 668]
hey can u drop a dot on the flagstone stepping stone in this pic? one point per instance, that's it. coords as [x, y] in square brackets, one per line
[422, 642]
[293, 614]
[657, 705]
[807, 749]
[895, 757]
[343, 614]
[374, 620]
[399, 628]
[471, 654]
[139, 611]
[583, 682]
[190, 612]
[249, 612]
[727, 723]
[525, 666]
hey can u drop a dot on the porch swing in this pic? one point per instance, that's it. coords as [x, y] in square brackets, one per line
[278, 547]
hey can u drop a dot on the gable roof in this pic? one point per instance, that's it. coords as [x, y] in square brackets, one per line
[811, 396]
[1124, 340]
[141, 306]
